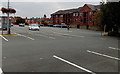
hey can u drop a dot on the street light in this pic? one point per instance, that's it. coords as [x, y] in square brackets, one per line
[8, 25]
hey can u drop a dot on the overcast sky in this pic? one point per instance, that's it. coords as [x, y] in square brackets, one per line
[52, 0]
[37, 8]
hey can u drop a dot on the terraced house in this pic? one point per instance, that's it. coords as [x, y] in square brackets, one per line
[82, 16]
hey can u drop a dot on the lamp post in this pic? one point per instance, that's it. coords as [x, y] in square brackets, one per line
[8, 24]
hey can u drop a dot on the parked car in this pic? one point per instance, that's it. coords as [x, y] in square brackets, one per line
[34, 27]
[50, 25]
[60, 26]
[11, 24]
[64, 26]
[21, 25]
[56, 25]
[41, 25]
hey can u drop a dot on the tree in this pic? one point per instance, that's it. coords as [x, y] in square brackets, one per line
[111, 16]
[45, 16]
[19, 20]
[10, 10]
[108, 16]
[98, 18]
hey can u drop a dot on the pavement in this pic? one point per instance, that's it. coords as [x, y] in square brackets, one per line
[59, 50]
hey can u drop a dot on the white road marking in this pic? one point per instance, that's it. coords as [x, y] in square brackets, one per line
[4, 38]
[113, 48]
[1, 71]
[103, 55]
[73, 64]
[26, 37]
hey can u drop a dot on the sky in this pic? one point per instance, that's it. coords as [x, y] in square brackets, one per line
[52, 0]
[37, 8]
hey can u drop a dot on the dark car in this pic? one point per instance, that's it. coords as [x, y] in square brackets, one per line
[50, 25]
[60, 25]
[41, 24]
[64, 26]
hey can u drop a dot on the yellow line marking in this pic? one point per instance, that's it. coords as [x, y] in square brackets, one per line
[12, 34]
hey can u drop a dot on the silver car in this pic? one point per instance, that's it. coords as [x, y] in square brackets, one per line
[33, 27]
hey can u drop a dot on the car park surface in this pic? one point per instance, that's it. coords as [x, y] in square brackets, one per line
[59, 50]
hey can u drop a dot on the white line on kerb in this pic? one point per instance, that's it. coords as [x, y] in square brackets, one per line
[103, 55]
[73, 64]
[1, 71]
[113, 48]
[4, 38]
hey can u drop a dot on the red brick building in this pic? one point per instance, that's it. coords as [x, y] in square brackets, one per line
[79, 16]
[87, 13]
[65, 16]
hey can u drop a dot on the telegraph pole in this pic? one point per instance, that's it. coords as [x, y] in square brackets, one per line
[8, 25]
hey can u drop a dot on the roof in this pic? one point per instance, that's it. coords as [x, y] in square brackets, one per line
[93, 7]
[67, 11]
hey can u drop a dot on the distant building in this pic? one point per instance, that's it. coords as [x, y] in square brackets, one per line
[38, 20]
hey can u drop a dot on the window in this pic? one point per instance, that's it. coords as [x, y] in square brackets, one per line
[75, 20]
[56, 21]
[68, 20]
[61, 20]
[80, 14]
[74, 14]
[90, 19]
[90, 13]
[56, 15]
[81, 20]
[61, 15]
